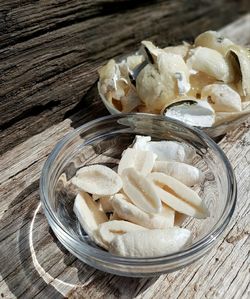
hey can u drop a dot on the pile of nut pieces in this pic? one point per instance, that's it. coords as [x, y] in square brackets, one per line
[203, 84]
[137, 210]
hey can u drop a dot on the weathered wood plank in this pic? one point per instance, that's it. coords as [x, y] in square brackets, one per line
[47, 270]
[50, 50]
[187, 283]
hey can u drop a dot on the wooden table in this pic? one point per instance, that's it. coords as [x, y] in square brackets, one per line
[49, 54]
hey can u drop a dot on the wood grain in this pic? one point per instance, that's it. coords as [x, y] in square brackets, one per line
[50, 50]
[21, 275]
[48, 61]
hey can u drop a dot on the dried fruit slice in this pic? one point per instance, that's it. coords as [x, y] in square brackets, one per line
[151, 243]
[89, 216]
[97, 179]
[178, 196]
[221, 97]
[140, 191]
[185, 173]
[108, 230]
[142, 161]
[212, 63]
[130, 212]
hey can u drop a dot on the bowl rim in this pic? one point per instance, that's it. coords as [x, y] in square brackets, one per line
[98, 254]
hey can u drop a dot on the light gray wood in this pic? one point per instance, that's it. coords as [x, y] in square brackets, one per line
[216, 276]
[47, 270]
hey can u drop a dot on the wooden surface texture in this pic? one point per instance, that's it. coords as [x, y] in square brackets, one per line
[49, 54]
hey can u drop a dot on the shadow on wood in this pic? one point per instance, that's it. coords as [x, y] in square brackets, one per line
[39, 265]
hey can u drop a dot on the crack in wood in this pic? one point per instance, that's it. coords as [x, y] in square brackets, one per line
[33, 111]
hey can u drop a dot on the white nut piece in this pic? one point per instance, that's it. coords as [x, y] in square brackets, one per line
[130, 212]
[152, 89]
[213, 40]
[212, 63]
[141, 191]
[178, 196]
[185, 173]
[221, 97]
[108, 230]
[171, 151]
[151, 243]
[89, 216]
[165, 150]
[142, 161]
[98, 179]
[156, 84]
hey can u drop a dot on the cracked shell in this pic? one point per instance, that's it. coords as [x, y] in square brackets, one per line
[240, 58]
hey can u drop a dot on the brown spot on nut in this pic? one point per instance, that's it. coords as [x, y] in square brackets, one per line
[210, 100]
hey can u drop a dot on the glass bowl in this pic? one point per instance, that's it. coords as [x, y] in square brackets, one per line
[102, 141]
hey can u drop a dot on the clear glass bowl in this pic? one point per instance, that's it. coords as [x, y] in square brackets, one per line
[102, 141]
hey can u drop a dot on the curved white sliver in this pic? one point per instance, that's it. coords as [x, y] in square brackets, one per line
[55, 282]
